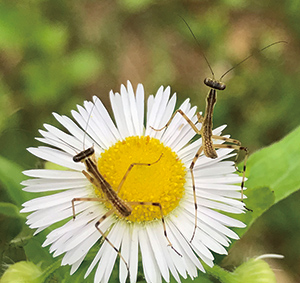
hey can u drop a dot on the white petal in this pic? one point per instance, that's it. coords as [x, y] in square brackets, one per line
[150, 103]
[174, 129]
[76, 254]
[157, 108]
[93, 125]
[77, 264]
[53, 174]
[75, 224]
[115, 236]
[224, 219]
[62, 137]
[221, 179]
[133, 264]
[188, 255]
[221, 168]
[125, 101]
[88, 125]
[136, 122]
[125, 251]
[94, 262]
[140, 104]
[74, 130]
[87, 232]
[168, 254]
[101, 124]
[52, 200]
[152, 231]
[150, 267]
[118, 111]
[107, 260]
[45, 185]
[56, 156]
[161, 112]
[54, 214]
[109, 125]
[185, 135]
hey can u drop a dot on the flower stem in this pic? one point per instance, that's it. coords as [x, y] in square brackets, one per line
[221, 274]
[50, 270]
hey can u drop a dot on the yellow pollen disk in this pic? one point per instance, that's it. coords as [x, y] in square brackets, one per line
[162, 182]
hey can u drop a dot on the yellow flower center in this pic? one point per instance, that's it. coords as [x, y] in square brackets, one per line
[161, 182]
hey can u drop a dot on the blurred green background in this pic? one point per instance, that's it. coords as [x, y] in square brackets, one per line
[54, 54]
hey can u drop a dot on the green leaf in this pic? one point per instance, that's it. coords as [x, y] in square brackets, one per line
[273, 175]
[277, 167]
[34, 250]
[11, 177]
[10, 226]
[9, 210]
[10, 222]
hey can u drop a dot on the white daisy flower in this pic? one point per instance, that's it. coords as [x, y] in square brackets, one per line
[167, 182]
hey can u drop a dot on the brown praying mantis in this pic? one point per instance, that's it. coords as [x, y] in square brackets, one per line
[209, 146]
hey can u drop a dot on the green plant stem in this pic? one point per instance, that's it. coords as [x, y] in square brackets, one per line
[221, 274]
[50, 270]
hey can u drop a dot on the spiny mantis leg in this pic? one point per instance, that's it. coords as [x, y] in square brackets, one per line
[188, 120]
[130, 168]
[97, 224]
[91, 179]
[233, 146]
[236, 145]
